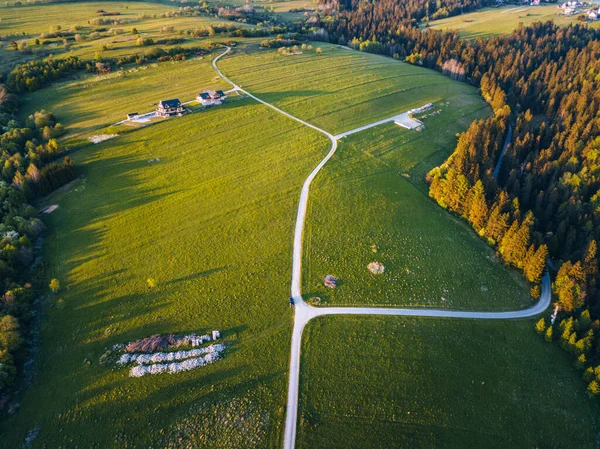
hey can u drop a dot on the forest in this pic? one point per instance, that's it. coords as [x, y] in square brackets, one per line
[543, 202]
[383, 13]
[33, 165]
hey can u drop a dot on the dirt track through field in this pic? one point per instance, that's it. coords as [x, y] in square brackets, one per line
[304, 313]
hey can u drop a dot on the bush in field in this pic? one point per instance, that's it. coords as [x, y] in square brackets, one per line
[54, 285]
[144, 41]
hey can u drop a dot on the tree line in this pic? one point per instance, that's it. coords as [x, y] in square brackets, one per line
[543, 84]
[32, 164]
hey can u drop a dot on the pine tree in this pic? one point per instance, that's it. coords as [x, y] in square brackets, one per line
[507, 241]
[590, 264]
[549, 333]
[540, 326]
[479, 210]
[497, 224]
[567, 286]
[534, 265]
[588, 374]
[593, 388]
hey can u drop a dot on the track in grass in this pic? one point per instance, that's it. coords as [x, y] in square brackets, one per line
[304, 313]
[340, 89]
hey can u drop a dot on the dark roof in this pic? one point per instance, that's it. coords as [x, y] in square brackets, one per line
[204, 96]
[170, 103]
[133, 113]
[220, 92]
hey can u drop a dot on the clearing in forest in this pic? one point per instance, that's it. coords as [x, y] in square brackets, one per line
[489, 21]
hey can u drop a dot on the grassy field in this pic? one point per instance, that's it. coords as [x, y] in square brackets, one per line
[373, 382]
[100, 100]
[340, 89]
[212, 223]
[489, 21]
[370, 204]
[30, 22]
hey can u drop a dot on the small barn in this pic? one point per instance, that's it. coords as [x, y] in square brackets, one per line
[169, 108]
[132, 116]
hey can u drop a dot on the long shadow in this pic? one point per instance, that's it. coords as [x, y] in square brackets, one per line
[194, 276]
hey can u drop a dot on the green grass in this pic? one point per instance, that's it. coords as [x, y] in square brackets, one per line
[100, 100]
[212, 222]
[493, 21]
[370, 203]
[29, 22]
[382, 382]
[340, 89]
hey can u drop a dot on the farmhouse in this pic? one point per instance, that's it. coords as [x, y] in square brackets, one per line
[132, 116]
[211, 97]
[168, 108]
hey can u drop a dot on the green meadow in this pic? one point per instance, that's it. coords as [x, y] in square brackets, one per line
[205, 206]
[30, 22]
[491, 21]
[370, 204]
[211, 222]
[382, 382]
[94, 101]
[340, 89]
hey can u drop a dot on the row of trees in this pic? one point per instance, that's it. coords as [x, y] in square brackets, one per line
[29, 156]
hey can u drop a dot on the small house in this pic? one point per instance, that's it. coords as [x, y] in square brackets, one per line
[216, 335]
[132, 116]
[593, 14]
[211, 97]
[169, 108]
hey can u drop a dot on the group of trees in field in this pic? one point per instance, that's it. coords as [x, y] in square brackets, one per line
[543, 84]
[29, 154]
[36, 74]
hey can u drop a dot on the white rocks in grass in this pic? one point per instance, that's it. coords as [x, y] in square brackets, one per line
[195, 340]
[177, 367]
[376, 268]
[158, 357]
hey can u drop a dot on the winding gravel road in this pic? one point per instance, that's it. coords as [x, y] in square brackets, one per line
[304, 313]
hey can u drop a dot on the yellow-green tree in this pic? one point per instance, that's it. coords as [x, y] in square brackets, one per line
[54, 285]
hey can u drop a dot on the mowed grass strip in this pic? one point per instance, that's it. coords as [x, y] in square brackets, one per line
[340, 89]
[211, 222]
[370, 204]
[382, 382]
[494, 21]
[100, 100]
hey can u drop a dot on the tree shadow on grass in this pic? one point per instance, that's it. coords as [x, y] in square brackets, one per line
[194, 276]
